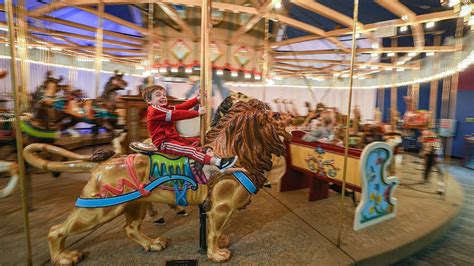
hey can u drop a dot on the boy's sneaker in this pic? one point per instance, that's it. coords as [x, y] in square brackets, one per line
[227, 163]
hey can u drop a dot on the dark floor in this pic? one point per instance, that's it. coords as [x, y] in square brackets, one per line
[456, 247]
[276, 229]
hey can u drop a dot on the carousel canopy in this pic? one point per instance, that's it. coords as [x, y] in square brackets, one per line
[306, 38]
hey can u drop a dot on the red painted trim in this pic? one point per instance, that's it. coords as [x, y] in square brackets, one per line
[298, 134]
[354, 153]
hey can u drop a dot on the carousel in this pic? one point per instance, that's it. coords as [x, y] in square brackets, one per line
[325, 110]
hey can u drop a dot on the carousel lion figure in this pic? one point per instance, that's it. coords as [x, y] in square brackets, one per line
[249, 130]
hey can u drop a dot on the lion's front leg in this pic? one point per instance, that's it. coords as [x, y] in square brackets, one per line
[227, 196]
[135, 213]
[79, 221]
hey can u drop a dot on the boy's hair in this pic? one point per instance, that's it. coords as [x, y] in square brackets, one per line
[148, 91]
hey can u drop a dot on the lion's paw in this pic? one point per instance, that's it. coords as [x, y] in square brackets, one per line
[158, 244]
[221, 255]
[224, 241]
[68, 258]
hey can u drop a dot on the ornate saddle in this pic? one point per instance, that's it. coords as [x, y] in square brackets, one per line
[146, 147]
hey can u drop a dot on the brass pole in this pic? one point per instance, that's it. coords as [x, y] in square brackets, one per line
[265, 57]
[151, 50]
[346, 136]
[23, 54]
[206, 67]
[393, 91]
[434, 84]
[415, 88]
[98, 42]
[19, 139]
[451, 113]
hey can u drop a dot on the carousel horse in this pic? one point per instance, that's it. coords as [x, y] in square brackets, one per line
[249, 131]
[6, 134]
[101, 111]
[47, 106]
[11, 185]
[71, 109]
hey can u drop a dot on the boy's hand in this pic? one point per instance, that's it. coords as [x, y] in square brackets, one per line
[202, 110]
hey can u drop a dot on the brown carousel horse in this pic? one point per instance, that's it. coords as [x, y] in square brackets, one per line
[100, 112]
[249, 131]
[45, 102]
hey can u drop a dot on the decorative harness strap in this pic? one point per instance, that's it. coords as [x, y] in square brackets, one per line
[134, 182]
[245, 181]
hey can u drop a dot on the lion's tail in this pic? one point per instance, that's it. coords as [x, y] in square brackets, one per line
[79, 163]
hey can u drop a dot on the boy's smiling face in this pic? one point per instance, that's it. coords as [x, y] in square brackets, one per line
[158, 97]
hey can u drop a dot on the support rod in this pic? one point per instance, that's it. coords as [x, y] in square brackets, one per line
[19, 139]
[99, 38]
[206, 68]
[346, 136]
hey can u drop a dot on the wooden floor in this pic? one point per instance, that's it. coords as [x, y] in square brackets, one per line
[456, 247]
[276, 229]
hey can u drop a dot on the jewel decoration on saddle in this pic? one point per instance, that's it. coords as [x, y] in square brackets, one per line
[320, 165]
[215, 51]
[180, 50]
[377, 203]
[242, 55]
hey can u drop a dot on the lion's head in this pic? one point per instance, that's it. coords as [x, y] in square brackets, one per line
[251, 132]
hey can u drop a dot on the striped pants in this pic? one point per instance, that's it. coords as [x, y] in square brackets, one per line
[187, 147]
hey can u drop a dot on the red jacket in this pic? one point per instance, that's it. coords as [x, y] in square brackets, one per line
[161, 120]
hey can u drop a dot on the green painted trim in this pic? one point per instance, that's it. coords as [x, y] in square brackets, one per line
[35, 132]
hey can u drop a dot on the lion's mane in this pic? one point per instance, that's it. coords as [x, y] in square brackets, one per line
[249, 132]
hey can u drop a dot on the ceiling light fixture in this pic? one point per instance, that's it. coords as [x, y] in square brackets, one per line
[430, 25]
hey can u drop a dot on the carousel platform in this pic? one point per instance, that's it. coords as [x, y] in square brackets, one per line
[276, 229]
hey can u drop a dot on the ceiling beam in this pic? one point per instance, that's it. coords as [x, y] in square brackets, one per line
[298, 67]
[344, 62]
[77, 36]
[437, 16]
[252, 21]
[217, 5]
[436, 49]
[169, 10]
[402, 11]
[333, 15]
[120, 21]
[137, 40]
[39, 11]
[308, 28]
[326, 12]
[191, 3]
